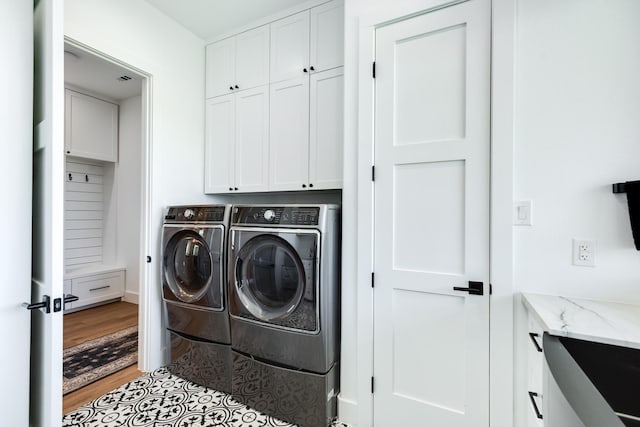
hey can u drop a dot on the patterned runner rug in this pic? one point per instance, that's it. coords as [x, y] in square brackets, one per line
[161, 399]
[97, 358]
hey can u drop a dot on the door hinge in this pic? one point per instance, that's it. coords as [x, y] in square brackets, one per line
[371, 385]
[373, 173]
[373, 69]
[372, 279]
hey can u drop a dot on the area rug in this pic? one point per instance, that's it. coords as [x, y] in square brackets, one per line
[97, 358]
[161, 399]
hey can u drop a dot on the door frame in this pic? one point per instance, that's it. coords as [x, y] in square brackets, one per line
[501, 316]
[144, 296]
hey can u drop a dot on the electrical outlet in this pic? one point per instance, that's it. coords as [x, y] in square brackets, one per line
[584, 253]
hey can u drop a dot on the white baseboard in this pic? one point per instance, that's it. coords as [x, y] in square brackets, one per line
[131, 297]
[347, 411]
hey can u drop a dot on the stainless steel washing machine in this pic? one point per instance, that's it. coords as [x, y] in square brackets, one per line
[284, 306]
[194, 294]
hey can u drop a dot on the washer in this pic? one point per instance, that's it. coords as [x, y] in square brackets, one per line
[284, 306]
[194, 294]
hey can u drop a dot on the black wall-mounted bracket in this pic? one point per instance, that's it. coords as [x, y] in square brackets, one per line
[620, 187]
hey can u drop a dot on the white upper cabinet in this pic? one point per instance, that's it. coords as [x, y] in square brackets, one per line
[326, 112]
[91, 127]
[219, 144]
[290, 47]
[308, 42]
[289, 135]
[237, 142]
[327, 36]
[221, 67]
[237, 63]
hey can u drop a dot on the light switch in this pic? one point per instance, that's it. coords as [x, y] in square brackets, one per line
[522, 212]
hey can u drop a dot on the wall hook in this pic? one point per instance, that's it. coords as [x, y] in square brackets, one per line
[70, 177]
[86, 178]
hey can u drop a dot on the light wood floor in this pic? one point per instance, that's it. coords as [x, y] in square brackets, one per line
[93, 323]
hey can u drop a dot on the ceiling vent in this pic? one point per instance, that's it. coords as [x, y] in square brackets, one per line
[125, 78]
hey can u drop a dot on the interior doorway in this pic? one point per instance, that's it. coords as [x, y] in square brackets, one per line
[106, 183]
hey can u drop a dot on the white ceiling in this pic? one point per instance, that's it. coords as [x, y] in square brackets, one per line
[209, 18]
[97, 76]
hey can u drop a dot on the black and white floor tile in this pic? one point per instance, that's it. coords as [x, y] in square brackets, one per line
[160, 399]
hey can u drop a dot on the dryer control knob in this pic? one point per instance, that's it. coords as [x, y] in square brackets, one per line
[189, 213]
[269, 215]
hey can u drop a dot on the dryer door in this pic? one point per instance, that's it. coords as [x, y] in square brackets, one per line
[192, 270]
[275, 277]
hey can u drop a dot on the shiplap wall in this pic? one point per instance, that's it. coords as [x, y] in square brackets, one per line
[84, 214]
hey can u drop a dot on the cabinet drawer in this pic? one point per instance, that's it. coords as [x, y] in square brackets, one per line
[97, 288]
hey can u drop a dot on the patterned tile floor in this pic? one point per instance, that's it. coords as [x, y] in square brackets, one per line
[160, 399]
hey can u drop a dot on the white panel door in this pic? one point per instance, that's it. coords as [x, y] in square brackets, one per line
[252, 140]
[220, 67]
[252, 58]
[48, 214]
[326, 118]
[327, 36]
[289, 135]
[16, 125]
[290, 47]
[431, 342]
[219, 151]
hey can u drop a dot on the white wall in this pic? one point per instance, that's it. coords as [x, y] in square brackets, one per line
[129, 193]
[137, 34]
[577, 132]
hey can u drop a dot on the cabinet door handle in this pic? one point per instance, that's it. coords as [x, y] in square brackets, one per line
[311, 68]
[231, 87]
[533, 337]
[532, 397]
[310, 185]
[235, 188]
[304, 69]
[237, 87]
[304, 185]
[230, 188]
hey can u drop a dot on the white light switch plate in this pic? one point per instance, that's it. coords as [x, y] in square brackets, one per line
[522, 213]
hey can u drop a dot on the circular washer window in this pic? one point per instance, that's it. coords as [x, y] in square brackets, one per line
[188, 266]
[270, 277]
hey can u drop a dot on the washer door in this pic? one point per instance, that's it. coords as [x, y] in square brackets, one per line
[189, 268]
[270, 278]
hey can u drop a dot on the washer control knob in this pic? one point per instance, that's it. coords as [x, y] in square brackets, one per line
[189, 213]
[269, 215]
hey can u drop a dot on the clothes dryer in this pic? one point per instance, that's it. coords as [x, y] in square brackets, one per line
[284, 305]
[194, 294]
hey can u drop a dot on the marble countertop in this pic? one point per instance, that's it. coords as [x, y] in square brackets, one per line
[591, 320]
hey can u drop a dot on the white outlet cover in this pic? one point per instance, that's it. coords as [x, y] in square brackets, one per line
[584, 252]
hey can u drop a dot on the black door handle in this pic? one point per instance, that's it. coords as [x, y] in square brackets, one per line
[45, 303]
[475, 288]
[70, 298]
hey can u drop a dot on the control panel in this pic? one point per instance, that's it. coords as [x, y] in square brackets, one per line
[273, 215]
[195, 214]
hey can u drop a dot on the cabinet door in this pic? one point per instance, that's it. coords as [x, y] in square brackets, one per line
[289, 135]
[91, 127]
[327, 36]
[252, 58]
[289, 47]
[219, 144]
[220, 67]
[326, 129]
[252, 140]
